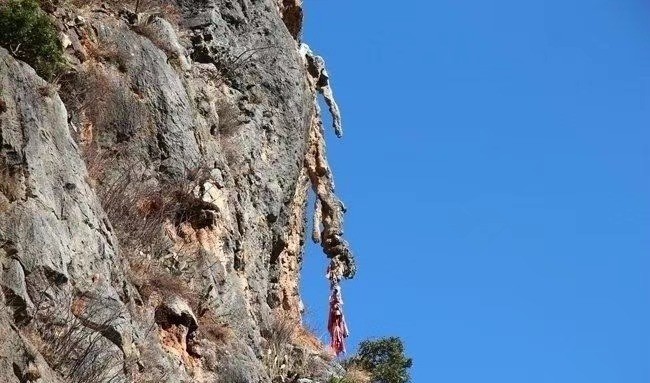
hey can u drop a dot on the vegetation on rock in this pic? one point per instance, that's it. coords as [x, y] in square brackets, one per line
[29, 34]
[384, 359]
[161, 236]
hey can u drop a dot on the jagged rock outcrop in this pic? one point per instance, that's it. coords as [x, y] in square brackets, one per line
[153, 203]
[54, 236]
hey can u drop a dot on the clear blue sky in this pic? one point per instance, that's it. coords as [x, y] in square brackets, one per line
[496, 167]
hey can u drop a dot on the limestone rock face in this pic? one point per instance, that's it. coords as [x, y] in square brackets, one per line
[153, 202]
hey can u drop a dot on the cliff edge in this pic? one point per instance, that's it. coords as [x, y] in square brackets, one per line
[153, 196]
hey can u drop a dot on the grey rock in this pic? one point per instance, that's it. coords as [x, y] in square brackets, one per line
[213, 121]
[53, 233]
[15, 291]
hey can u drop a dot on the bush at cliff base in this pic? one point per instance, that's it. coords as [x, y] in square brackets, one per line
[385, 359]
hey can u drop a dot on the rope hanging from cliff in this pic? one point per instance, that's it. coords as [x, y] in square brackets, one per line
[336, 324]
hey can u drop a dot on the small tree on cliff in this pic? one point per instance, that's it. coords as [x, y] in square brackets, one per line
[384, 359]
[29, 34]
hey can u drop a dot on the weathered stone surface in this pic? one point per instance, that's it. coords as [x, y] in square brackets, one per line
[19, 359]
[157, 214]
[15, 290]
[53, 231]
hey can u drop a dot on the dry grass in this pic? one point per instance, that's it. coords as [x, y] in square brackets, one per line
[116, 113]
[137, 212]
[137, 6]
[166, 9]
[277, 358]
[281, 331]
[149, 221]
[106, 53]
[284, 359]
[151, 279]
[70, 345]
[356, 374]
[106, 108]
[215, 331]
[306, 339]
[228, 114]
[150, 218]
[140, 208]
[150, 32]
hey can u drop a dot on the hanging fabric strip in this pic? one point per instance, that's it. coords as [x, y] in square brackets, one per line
[336, 325]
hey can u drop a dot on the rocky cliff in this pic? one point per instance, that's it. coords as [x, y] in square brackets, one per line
[153, 198]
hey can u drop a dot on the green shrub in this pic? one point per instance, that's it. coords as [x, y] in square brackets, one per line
[384, 359]
[29, 34]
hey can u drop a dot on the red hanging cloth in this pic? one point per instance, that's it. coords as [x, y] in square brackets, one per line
[336, 325]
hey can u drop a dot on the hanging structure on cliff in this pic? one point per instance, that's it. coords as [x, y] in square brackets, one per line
[328, 209]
